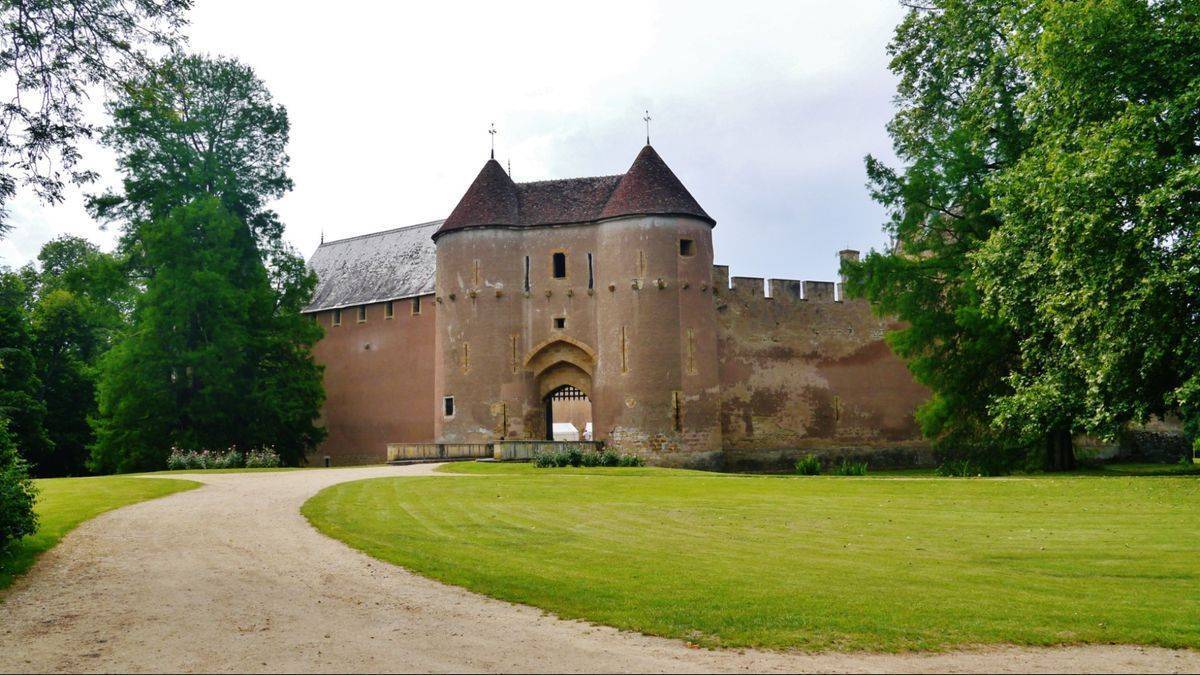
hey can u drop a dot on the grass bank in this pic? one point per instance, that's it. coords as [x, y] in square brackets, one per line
[811, 563]
[64, 503]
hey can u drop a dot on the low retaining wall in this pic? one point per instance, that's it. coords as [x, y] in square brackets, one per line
[412, 452]
[524, 450]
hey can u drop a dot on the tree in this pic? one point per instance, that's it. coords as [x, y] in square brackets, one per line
[20, 389]
[17, 492]
[218, 353]
[79, 300]
[958, 124]
[53, 52]
[1099, 252]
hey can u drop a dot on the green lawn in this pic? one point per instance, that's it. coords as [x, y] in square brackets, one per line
[64, 503]
[791, 562]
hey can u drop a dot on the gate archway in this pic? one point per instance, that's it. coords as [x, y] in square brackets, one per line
[562, 369]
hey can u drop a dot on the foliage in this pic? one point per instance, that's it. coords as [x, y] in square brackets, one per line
[17, 493]
[20, 388]
[545, 459]
[808, 465]
[218, 353]
[52, 53]
[64, 503]
[741, 561]
[1099, 253]
[848, 468]
[232, 458]
[80, 297]
[957, 124]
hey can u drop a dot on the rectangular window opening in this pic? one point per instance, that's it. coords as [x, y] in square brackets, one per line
[560, 322]
[389, 310]
[591, 275]
[687, 248]
[416, 305]
[362, 313]
[560, 265]
[526, 274]
[337, 317]
[448, 406]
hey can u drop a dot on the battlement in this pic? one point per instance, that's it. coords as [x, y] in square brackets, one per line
[784, 290]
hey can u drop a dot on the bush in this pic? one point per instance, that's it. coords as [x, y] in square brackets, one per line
[848, 468]
[576, 457]
[232, 458]
[809, 465]
[17, 493]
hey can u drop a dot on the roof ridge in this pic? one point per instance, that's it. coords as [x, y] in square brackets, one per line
[567, 180]
[428, 223]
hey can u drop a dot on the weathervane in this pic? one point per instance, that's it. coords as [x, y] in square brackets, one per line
[492, 132]
[646, 119]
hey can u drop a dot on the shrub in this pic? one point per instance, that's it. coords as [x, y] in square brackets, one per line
[848, 468]
[544, 460]
[630, 460]
[808, 465]
[266, 458]
[590, 459]
[610, 458]
[17, 492]
[574, 457]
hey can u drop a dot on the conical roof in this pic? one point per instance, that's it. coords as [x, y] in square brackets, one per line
[651, 188]
[648, 188]
[491, 200]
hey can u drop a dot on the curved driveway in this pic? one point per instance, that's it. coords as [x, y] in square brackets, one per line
[230, 577]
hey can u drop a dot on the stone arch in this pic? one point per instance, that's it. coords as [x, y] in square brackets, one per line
[561, 350]
[563, 374]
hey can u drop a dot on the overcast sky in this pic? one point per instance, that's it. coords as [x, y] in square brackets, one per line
[764, 110]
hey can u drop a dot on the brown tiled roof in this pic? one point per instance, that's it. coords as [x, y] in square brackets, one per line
[648, 188]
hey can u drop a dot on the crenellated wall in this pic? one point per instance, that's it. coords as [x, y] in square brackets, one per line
[804, 371]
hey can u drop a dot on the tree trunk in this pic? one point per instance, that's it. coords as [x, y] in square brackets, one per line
[1060, 451]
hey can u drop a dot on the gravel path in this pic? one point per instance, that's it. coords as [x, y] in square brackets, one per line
[230, 577]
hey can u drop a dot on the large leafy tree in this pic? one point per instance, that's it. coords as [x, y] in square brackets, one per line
[20, 388]
[80, 300]
[1099, 253]
[52, 52]
[957, 125]
[218, 353]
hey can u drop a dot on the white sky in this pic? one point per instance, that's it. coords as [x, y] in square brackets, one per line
[764, 110]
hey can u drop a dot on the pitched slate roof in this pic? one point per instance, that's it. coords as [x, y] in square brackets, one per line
[648, 188]
[388, 265]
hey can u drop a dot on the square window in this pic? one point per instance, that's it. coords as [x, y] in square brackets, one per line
[560, 322]
[448, 406]
[687, 247]
[388, 310]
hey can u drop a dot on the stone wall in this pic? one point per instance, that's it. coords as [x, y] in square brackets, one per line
[803, 371]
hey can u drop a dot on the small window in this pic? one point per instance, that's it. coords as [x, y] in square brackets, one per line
[526, 287]
[416, 305]
[448, 406]
[560, 322]
[687, 248]
[337, 317]
[362, 313]
[591, 275]
[560, 265]
[389, 310]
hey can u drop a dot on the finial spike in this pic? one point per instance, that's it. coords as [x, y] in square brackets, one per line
[492, 133]
[646, 119]
[510, 167]
[322, 235]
